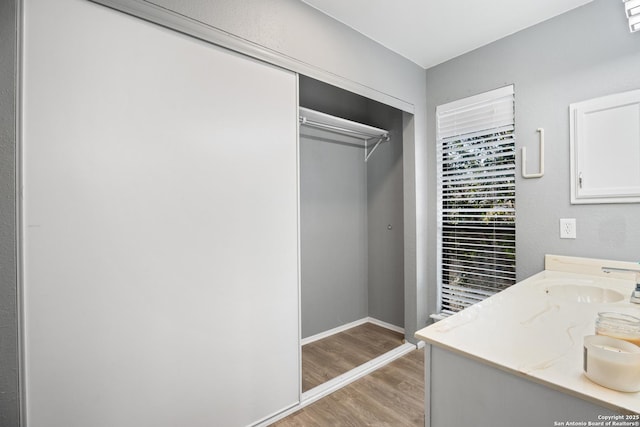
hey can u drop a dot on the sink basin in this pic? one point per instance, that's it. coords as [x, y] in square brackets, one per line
[583, 293]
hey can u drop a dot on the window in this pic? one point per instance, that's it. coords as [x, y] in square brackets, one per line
[476, 198]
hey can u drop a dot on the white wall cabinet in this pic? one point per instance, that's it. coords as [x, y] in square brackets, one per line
[159, 226]
[605, 149]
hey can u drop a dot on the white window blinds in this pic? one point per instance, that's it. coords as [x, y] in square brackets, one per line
[476, 198]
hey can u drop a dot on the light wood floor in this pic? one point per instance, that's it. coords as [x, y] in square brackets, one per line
[392, 396]
[330, 357]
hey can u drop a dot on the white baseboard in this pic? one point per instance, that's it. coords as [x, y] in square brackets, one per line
[350, 325]
[333, 331]
[385, 325]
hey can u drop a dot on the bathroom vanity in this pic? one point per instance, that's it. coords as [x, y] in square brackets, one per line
[516, 358]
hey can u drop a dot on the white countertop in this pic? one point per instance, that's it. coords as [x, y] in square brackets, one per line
[529, 332]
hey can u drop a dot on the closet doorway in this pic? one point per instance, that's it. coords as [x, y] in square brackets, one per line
[351, 231]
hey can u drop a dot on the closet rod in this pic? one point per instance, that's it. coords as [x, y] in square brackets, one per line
[331, 123]
[338, 129]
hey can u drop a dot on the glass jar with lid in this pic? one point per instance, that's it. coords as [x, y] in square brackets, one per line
[618, 325]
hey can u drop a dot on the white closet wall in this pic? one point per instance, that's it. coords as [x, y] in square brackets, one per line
[159, 226]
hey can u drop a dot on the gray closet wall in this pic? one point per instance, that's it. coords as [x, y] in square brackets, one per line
[385, 225]
[333, 213]
[352, 263]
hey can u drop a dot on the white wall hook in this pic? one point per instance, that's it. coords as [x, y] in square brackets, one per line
[524, 159]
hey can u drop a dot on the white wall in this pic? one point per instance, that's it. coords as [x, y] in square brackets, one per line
[160, 226]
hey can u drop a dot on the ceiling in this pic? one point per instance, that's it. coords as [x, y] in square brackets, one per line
[429, 32]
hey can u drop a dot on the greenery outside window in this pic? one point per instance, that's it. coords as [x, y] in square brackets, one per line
[476, 198]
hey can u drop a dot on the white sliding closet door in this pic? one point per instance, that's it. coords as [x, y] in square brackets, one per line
[159, 226]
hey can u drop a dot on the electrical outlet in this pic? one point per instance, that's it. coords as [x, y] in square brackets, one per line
[567, 228]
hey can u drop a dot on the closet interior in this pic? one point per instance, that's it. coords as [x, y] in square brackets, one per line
[351, 229]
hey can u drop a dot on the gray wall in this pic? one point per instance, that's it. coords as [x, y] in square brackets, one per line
[333, 231]
[352, 265]
[585, 53]
[385, 207]
[9, 365]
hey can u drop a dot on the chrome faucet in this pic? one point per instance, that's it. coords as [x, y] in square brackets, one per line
[635, 295]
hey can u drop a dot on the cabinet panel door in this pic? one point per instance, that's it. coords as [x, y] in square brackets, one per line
[605, 149]
[160, 226]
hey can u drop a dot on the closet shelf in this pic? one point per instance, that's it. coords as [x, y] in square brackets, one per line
[342, 126]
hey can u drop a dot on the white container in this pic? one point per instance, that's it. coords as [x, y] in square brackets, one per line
[612, 363]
